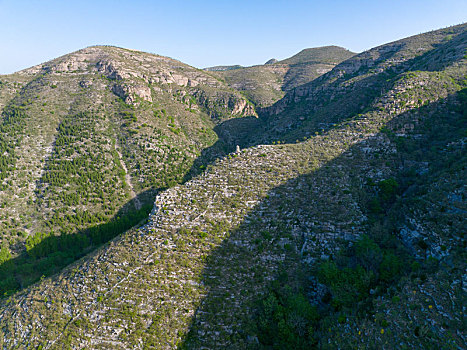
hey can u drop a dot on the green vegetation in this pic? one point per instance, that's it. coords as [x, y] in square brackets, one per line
[11, 127]
[339, 224]
[80, 171]
[287, 320]
[364, 267]
[4, 254]
[47, 253]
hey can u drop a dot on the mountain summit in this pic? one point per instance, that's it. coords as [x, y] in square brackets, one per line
[265, 84]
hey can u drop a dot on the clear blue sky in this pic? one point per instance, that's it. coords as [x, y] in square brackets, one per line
[207, 33]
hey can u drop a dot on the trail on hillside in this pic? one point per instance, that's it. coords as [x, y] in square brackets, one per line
[128, 179]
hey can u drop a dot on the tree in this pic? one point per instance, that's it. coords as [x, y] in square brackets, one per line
[4, 254]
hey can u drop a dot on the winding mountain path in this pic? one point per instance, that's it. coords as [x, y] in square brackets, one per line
[128, 179]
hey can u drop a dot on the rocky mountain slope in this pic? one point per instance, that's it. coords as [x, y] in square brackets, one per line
[340, 223]
[87, 140]
[265, 84]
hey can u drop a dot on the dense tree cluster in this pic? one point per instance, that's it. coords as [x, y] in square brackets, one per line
[48, 253]
[10, 129]
[83, 172]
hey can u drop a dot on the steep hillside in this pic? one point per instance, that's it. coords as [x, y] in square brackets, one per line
[214, 243]
[86, 142]
[362, 82]
[346, 230]
[265, 84]
[309, 64]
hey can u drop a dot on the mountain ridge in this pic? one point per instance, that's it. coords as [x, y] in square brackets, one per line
[265, 84]
[360, 173]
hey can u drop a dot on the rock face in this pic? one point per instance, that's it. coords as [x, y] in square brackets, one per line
[130, 93]
[242, 107]
[109, 70]
[272, 61]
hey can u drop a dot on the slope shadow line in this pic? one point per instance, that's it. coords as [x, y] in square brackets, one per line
[270, 242]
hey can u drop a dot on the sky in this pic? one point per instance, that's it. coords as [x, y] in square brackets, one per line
[208, 33]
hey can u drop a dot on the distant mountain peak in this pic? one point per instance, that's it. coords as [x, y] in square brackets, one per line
[222, 68]
[323, 54]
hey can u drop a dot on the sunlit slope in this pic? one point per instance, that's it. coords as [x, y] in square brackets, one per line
[87, 140]
[267, 83]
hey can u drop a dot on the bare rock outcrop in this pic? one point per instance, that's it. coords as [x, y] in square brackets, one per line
[130, 94]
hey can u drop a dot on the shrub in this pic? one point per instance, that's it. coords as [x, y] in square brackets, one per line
[347, 285]
[4, 254]
[368, 253]
[287, 320]
[388, 188]
[390, 267]
[365, 266]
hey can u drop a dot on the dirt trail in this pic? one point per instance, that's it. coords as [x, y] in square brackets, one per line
[128, 179]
